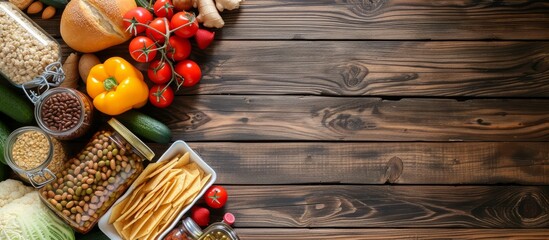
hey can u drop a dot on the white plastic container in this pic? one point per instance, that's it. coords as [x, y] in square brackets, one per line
[177, 147]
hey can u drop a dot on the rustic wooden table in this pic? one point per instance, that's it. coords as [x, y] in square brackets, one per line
[388, 119]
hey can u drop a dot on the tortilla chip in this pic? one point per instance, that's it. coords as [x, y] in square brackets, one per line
[165, 165]
[147, 173]
[184, 160]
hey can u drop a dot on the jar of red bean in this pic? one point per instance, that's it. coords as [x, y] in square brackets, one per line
[96, 177]
[64, 113]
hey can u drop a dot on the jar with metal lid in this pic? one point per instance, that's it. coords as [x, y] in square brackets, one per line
[29, 57]
[96, 177]
[34, 155]
[219, 231]
[64, 113]
[188, 230]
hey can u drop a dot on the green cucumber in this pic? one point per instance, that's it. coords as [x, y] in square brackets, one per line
[145, 126]
[4, 133]
[15, 105]
[55, 3]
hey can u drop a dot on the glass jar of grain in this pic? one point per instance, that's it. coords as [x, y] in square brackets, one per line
[34, 155]
[29, 57]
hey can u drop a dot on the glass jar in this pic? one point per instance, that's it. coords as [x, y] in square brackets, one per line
[34, 155]
[28, 55]
[188, 230]
[96, 177]
[219, 231]
[64, 113]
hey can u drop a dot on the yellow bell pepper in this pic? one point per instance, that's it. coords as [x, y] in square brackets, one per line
[116, 86]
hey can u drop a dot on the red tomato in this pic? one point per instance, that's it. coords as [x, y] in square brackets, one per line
[157, 29]
[163, 8]
[178, 48]
[142, 49]
[216, 196]
[134, 17]
[161, 96]
[190, 71]
[159, 72]
[184, 24]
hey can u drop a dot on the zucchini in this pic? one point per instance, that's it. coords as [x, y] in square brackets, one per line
[15, 105]
[145, 126]
[55, 3]
[4, 133]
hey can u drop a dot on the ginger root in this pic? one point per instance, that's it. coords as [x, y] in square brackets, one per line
[208, 13]
[227, 4]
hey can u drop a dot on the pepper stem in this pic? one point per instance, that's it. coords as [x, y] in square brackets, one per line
[110, 83]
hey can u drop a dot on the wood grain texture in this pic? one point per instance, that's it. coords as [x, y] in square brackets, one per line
[391, 233]
[267, 118]
[396, 68]
[356, 68]
[375, 163]
[380, 19]
[389, 206]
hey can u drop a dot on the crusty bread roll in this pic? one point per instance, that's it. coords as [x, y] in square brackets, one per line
[93, 25]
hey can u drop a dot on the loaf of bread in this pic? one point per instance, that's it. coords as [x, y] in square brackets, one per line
[93, 25]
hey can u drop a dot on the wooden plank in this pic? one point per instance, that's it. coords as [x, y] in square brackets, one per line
[355, 68]
[380, 19]
[375, 163]
[391, 233]
[362, 206]
[395, 68]
[267, 118]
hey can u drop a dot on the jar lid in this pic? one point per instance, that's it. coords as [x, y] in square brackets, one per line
[131, 138]
[192, 228]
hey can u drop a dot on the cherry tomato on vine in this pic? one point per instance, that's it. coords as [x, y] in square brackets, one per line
[142, 49]
[163, 8]
[161, 96]
[216, 196]
[190, 71]
[185, 23]
[178, 48]
[157, 29]
[159, 72]
[134, 17]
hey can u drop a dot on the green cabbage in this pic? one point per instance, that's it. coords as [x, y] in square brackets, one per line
[27, 218]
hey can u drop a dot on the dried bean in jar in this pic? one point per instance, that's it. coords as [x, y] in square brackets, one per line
[91, 181]
[64, 113]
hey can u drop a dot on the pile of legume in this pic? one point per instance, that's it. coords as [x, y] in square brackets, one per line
[31, 148]
[93, 180]
[24, 51]
[64, 113]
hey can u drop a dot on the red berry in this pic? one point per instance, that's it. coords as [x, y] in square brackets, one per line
[204, 38]
[201, 216]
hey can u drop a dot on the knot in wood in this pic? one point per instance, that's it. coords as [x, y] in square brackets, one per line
[348, 122]
[529, 208]
[353, 74]
[365, 7]
[393, 170]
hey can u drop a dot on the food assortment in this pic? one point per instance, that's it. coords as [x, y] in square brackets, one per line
[96, 177]
[74, 194]
[26, 49]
